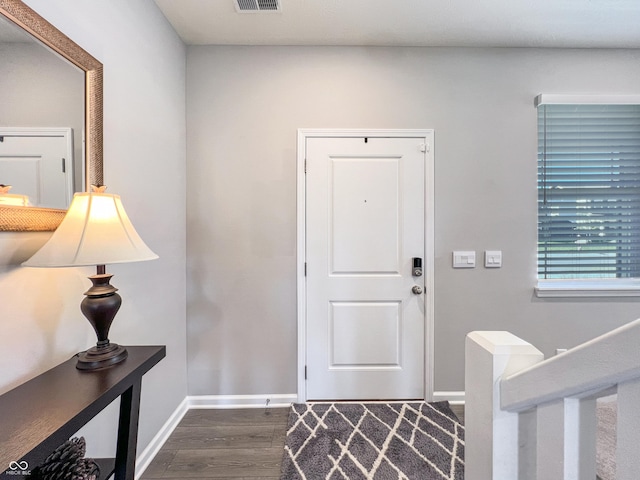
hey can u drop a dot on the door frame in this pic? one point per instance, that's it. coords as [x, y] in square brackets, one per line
[429, 248]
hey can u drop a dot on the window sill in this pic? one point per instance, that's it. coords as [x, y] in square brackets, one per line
[587, 288]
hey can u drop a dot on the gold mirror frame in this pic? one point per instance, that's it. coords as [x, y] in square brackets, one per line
[33, 219]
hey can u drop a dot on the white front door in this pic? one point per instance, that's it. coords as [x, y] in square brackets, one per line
[365, 307]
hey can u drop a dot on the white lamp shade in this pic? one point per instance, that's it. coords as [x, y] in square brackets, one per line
[95, 231]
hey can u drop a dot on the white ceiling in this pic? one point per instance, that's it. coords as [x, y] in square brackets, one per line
[478, 23]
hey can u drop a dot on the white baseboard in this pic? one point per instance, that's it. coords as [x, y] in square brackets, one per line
[454, 398]
[149, 453]
[241, 401]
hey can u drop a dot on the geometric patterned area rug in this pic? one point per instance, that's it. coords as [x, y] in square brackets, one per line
[376, 441]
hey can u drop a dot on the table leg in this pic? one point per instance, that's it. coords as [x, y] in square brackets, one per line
[128, 432]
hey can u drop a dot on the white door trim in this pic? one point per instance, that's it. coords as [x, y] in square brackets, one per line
[428, 136]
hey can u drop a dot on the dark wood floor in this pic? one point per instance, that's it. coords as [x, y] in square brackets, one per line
[227, 444]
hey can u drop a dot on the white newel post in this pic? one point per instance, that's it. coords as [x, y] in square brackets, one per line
[491, 434]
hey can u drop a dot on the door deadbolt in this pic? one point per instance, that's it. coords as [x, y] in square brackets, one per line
[417, 267]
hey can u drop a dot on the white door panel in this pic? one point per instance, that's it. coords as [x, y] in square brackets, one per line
[365, 334]
[364, 215]
[365, 222]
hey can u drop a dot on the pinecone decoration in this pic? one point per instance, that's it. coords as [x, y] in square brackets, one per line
[67, 462]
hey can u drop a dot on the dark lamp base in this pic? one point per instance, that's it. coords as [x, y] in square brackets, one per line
[97, 358]
[100, 305]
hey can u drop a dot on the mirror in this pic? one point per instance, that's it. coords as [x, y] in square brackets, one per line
[17, 218]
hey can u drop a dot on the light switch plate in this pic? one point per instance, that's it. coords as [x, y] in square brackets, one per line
[493, 258]
[464, 259]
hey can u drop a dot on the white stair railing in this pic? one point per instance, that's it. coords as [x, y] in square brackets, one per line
[528, 418]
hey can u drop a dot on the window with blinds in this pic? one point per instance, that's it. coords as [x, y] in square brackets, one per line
[588, 191]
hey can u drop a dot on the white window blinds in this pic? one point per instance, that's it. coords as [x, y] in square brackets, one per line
[588, 191]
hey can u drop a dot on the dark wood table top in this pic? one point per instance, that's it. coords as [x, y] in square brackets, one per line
[42, 413]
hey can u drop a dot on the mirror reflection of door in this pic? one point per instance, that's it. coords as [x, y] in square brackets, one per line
[39, 88]
[38, 164]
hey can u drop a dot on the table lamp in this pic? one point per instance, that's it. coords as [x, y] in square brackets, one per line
[95, 231]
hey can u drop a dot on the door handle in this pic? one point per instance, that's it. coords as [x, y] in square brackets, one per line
[417, 289]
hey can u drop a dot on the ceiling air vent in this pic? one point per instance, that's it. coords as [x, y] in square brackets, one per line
[247, 6]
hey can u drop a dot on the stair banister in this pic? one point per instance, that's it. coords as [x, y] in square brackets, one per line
[529, 418]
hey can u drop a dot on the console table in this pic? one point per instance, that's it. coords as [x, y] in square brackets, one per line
[43, 413]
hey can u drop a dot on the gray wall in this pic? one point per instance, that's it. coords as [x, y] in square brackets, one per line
[244, 105]
[144, 144]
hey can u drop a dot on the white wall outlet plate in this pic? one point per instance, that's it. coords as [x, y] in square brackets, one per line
[493, 258]
[464, 259]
